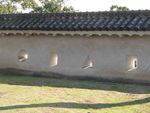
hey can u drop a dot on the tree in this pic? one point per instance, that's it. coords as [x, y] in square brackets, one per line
[53, 6]
[7, 7]
[118, 8]
[12, 6]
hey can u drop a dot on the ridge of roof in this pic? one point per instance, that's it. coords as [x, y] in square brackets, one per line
[78, 15]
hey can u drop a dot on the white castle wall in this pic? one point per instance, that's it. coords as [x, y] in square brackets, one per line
[109, 55]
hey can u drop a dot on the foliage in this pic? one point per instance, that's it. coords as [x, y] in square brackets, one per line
[11, 6]
[7, 8]
[53, 6]
[118, 8]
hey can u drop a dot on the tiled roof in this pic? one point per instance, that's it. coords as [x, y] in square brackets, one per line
[82, 21]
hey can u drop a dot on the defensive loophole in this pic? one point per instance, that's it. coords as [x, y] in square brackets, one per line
[22, 56]
[87, 63]
[132, 63]
[53, 59]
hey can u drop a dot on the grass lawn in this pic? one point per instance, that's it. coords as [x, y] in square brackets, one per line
[25, 94]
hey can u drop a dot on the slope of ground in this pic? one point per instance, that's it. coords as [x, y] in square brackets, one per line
[27, 94]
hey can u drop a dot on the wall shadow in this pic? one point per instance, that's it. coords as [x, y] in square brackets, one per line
[78, 105]
[15, 79]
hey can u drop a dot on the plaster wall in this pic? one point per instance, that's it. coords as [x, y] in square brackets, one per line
[109, 55]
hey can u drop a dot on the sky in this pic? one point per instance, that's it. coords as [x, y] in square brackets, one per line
[103, 5]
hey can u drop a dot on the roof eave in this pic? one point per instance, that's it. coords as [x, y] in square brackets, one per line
[72, 33]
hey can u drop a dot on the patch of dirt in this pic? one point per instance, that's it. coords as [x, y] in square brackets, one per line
[88, 101]
[1, 94]
[48, 110]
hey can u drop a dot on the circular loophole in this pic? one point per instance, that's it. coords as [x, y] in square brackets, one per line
[22, 56]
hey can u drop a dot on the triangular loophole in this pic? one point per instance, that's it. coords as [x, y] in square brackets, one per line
[87, 63]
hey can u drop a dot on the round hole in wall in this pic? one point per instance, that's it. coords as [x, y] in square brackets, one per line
[22, 56]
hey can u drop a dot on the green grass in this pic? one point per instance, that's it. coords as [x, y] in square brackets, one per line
[25, 94]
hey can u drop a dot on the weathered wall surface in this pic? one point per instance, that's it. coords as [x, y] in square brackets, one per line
[109, 55]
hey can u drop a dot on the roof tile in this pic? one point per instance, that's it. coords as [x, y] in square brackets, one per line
[80, 21]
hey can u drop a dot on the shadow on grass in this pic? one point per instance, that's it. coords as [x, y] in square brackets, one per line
[70, 83]
[78, 105]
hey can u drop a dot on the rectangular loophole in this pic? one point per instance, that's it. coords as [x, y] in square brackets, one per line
[132, 62]
[53, 59]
